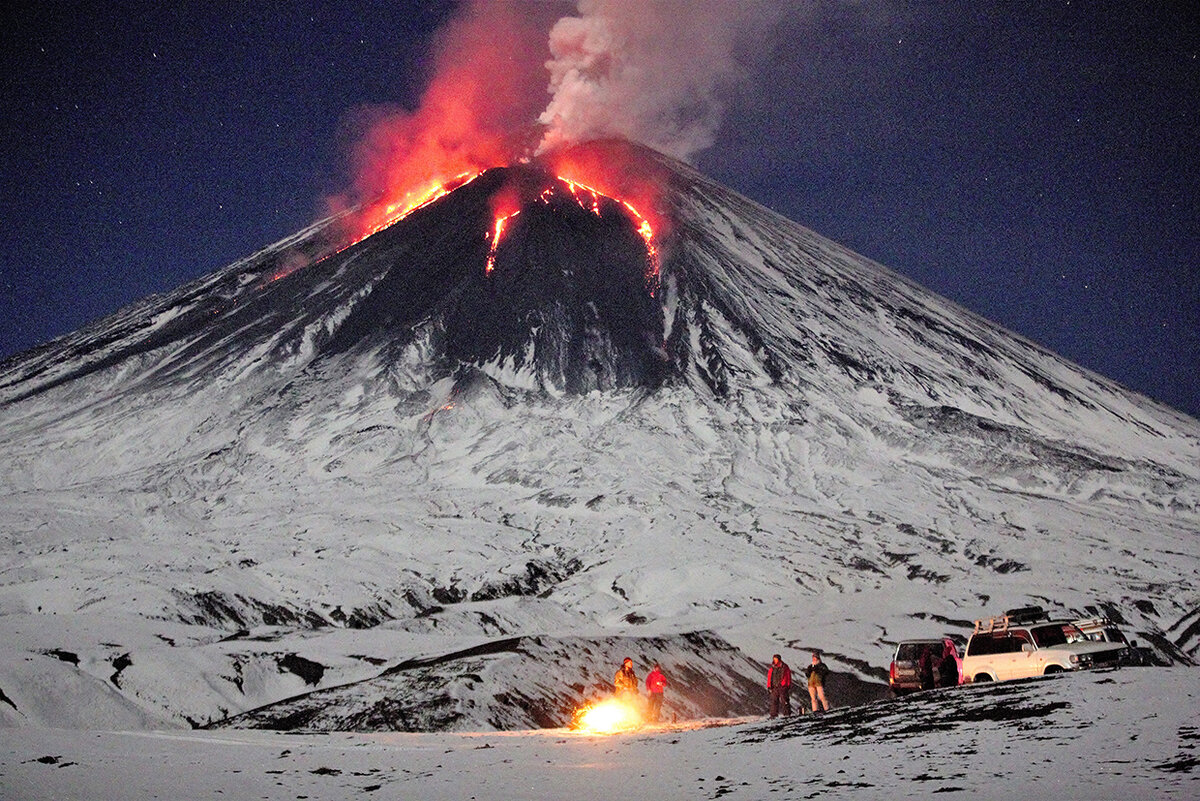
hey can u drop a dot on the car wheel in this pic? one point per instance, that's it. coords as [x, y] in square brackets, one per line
[1052, 669]
[982, 677]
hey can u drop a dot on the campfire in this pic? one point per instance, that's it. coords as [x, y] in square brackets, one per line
[610, 716]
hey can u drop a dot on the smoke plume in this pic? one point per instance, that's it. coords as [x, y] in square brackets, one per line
[651, 71]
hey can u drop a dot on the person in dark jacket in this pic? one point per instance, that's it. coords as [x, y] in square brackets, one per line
[779, 687]
[656, 682]
[626, 681]
[925, 668]
[816, 673]
[948, 668]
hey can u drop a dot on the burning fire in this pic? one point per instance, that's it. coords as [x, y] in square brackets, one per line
[609, 717]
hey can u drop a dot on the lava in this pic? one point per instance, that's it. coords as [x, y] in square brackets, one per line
[507, 204]
[497, 233]
[381, 215]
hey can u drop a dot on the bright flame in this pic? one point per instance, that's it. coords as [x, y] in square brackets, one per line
[609, 716]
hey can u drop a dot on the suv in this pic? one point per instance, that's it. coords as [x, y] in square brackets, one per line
[904, 676]
[1101, 629]
[1026, 642]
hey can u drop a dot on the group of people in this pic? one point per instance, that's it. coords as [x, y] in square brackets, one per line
[938, 667]
[779, 686]
[626, 684]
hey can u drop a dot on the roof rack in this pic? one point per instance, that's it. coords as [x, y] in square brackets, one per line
[1011, 617]
[992, 625]
[1027, 614]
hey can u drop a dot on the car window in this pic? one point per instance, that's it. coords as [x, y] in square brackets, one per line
[984, 644]
[1049, 636]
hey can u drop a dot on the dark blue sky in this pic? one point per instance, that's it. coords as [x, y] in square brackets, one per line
[1040, 169]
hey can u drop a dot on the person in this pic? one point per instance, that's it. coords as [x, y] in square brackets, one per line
[626, 681]
[656, 682]
[779, 686]
[816, 673]
[948, 669]
[925, 668]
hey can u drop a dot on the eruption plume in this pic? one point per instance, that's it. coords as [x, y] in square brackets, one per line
[477, 111]
[651, 71]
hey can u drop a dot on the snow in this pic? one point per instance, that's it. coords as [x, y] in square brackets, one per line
[329, 495]
[1133, 733]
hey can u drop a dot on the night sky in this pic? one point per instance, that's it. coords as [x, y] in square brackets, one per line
[1041, 169]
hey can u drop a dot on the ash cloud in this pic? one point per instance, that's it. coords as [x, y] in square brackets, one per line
[652, 71]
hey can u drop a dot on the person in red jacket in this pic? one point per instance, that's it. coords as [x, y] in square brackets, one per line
[779, 685]
[656, 682]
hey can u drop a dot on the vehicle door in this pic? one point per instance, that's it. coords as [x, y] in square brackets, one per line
[1022, 657]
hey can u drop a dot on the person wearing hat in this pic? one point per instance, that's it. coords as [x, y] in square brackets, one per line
[626, 681]
[779, 685]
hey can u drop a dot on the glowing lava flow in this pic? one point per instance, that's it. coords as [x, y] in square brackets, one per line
[589, 199]
[497, 234]
[381, 217]
[608, 717]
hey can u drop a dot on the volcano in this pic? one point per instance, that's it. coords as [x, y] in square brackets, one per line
[448, 475]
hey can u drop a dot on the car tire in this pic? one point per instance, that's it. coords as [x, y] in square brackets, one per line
[1053, 669]
[982, 677]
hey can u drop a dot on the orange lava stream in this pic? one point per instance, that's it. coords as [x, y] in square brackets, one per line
[497, 234]
[588, 199]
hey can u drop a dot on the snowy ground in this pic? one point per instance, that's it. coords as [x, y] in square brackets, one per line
[1132, 733]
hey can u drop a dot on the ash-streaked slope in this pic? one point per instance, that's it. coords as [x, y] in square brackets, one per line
[315, 466]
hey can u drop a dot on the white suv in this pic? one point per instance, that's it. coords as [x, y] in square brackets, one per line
[1026, 642]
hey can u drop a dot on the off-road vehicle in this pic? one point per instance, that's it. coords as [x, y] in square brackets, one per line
[1026, 642]
[904, 674]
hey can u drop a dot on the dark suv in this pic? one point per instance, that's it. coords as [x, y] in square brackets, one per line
[904, 676]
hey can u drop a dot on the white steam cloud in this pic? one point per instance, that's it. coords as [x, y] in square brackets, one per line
[652, 71]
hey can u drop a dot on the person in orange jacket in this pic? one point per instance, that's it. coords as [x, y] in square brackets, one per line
[779, 685]
[656, 682]
[626, 682]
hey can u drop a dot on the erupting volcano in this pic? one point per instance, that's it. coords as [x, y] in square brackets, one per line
[439, 466]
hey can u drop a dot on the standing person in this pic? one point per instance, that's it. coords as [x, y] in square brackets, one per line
[925, 668]
[948, 670]
[816, 673]
[779, 686]
[656, 682]
[626, 681]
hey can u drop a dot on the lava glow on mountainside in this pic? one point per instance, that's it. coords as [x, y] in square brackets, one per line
[598, 177]
[507, 204]
[381, 215]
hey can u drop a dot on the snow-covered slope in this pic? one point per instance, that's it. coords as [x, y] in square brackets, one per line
[318, 465]
[1130, 734]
